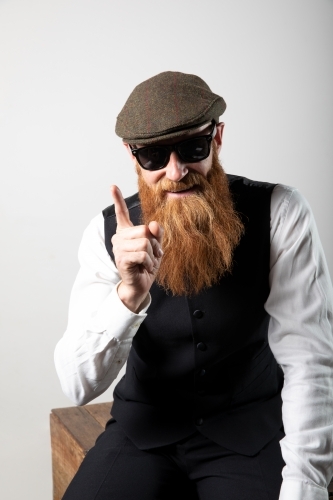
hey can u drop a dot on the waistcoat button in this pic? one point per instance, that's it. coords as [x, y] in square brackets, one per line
[202, 372]
[199, 421]
[201, 346]
[198, 314]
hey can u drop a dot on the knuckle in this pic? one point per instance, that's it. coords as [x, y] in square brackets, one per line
[145, 231]
[145, 245]
[142, 256]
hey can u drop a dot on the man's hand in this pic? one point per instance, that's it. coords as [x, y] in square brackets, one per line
[138, 253]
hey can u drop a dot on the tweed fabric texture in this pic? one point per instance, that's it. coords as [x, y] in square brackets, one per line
[165, 105]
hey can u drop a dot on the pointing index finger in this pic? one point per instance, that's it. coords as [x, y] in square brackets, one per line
[122, 214]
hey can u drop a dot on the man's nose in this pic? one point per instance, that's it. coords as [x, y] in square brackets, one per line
[175, 169]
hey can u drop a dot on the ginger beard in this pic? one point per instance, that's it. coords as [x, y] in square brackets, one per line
[201, 230]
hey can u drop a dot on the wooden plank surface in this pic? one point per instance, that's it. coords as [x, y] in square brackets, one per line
[80, 424]
[74, 431]
[100, 412]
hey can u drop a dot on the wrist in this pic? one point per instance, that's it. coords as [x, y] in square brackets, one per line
[132, 299]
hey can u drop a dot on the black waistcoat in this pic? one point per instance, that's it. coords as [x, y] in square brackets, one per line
[203, 363]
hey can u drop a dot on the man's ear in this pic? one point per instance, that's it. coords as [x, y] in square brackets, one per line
[218, 136]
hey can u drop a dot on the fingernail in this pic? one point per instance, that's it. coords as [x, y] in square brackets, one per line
[160, 252]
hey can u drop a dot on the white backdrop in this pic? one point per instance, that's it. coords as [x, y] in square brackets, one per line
[66, 69]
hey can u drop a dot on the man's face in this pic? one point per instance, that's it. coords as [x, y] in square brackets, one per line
[192, 202]
[176, 169]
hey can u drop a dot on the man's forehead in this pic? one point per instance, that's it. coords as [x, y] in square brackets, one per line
[190, 132]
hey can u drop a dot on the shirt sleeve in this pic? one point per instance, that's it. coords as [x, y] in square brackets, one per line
[100, 328]
[300, 336]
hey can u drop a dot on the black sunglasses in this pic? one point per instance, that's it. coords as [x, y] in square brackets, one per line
[190, 151]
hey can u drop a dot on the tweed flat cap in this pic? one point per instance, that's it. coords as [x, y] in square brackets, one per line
[165, 105]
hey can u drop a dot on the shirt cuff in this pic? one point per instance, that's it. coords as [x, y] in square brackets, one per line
[300, 490]
[124, 323]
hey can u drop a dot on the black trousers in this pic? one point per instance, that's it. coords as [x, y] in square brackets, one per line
[192, 469]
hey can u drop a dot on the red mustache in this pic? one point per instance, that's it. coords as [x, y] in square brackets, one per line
[192, 179]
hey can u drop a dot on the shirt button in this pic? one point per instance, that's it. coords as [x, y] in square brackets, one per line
[198, 314]
[202, 372]
[199, 421]
[201, 346]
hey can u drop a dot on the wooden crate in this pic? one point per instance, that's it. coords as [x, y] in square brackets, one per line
[74, 431]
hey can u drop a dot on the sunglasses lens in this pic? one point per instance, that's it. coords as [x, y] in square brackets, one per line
[153, 158]
[194, 149]
[190, 150]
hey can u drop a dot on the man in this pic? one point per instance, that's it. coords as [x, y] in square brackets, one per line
[215, 290]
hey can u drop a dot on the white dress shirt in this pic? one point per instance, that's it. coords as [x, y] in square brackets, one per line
[100, 330]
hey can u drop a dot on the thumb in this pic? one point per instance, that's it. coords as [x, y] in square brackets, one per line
[156, 230]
